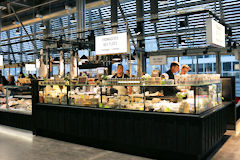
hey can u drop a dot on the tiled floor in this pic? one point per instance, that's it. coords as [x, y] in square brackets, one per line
[230, 150]
[21, 145]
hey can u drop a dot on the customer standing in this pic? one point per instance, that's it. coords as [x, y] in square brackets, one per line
[3, 80]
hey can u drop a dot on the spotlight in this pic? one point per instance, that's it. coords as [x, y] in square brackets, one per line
[235, 45]
[42, 26]
[180, 41]
[185, 53]
[84, 58]
[205, 51]
[17, 31]
[72, 19]
[184, 22]
[229, 50]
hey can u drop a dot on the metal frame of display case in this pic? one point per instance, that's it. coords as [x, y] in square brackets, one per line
[150, 134]
[16, 118]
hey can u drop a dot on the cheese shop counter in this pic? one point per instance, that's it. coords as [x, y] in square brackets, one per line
[152, 124]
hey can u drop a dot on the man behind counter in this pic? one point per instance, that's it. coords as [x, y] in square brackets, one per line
[121, 89]
[174, 68]
[120, 73]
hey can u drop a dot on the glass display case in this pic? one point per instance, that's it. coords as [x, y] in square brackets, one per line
[16, 99]
[190, 94]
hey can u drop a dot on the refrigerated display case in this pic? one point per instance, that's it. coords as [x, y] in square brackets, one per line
[16, 106]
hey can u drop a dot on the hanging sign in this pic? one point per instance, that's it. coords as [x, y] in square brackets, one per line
[158, 60]
[112, 44]
[30, 67]
[215, 33]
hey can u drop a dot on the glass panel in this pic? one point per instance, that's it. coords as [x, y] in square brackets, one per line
[200, 67]
[227, 66]
[208, 67]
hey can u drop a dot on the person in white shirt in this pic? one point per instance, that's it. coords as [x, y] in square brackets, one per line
[184, 70]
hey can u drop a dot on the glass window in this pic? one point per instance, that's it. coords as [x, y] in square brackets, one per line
[234, 66]
[214, 66]
[208, 67]
[227, 66]
[200, 67]
[193, 68]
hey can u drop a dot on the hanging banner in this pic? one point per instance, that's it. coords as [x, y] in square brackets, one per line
[158, 60]
[215, 33]
[30, 67]
[112, 44]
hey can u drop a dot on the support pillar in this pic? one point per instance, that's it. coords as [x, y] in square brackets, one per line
[218, 63]
[141, 57]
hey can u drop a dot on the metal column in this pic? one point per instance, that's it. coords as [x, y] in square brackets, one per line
[218, 63]
[141, 58]
[80, 4]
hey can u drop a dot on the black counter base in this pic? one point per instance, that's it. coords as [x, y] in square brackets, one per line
[17, 120]
[155, 135]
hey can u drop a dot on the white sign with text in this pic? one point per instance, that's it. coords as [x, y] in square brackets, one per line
[30, 67]
[158, 60]
[215, 33]
[112, 44]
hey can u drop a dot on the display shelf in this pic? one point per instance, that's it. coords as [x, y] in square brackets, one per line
[138, 85]
[19, 111]
[23, 96]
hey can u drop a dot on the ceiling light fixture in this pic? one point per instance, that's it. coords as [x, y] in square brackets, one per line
[17, 31]
[72, 19]
[84, 58]
[180, 41]
[205, 51]
[42, 26]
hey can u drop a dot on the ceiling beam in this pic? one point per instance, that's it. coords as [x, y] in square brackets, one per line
[92, 5]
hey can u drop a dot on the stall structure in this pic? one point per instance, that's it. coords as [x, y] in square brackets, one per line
[144, 123]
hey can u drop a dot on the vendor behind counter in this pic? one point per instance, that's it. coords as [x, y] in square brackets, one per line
[121, 89]
[168, 91]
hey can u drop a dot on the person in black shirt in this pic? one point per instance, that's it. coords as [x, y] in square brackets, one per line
[120, 73]
[121, 89]
[174, 68]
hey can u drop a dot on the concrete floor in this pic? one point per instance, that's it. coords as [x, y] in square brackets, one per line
[17, 144]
